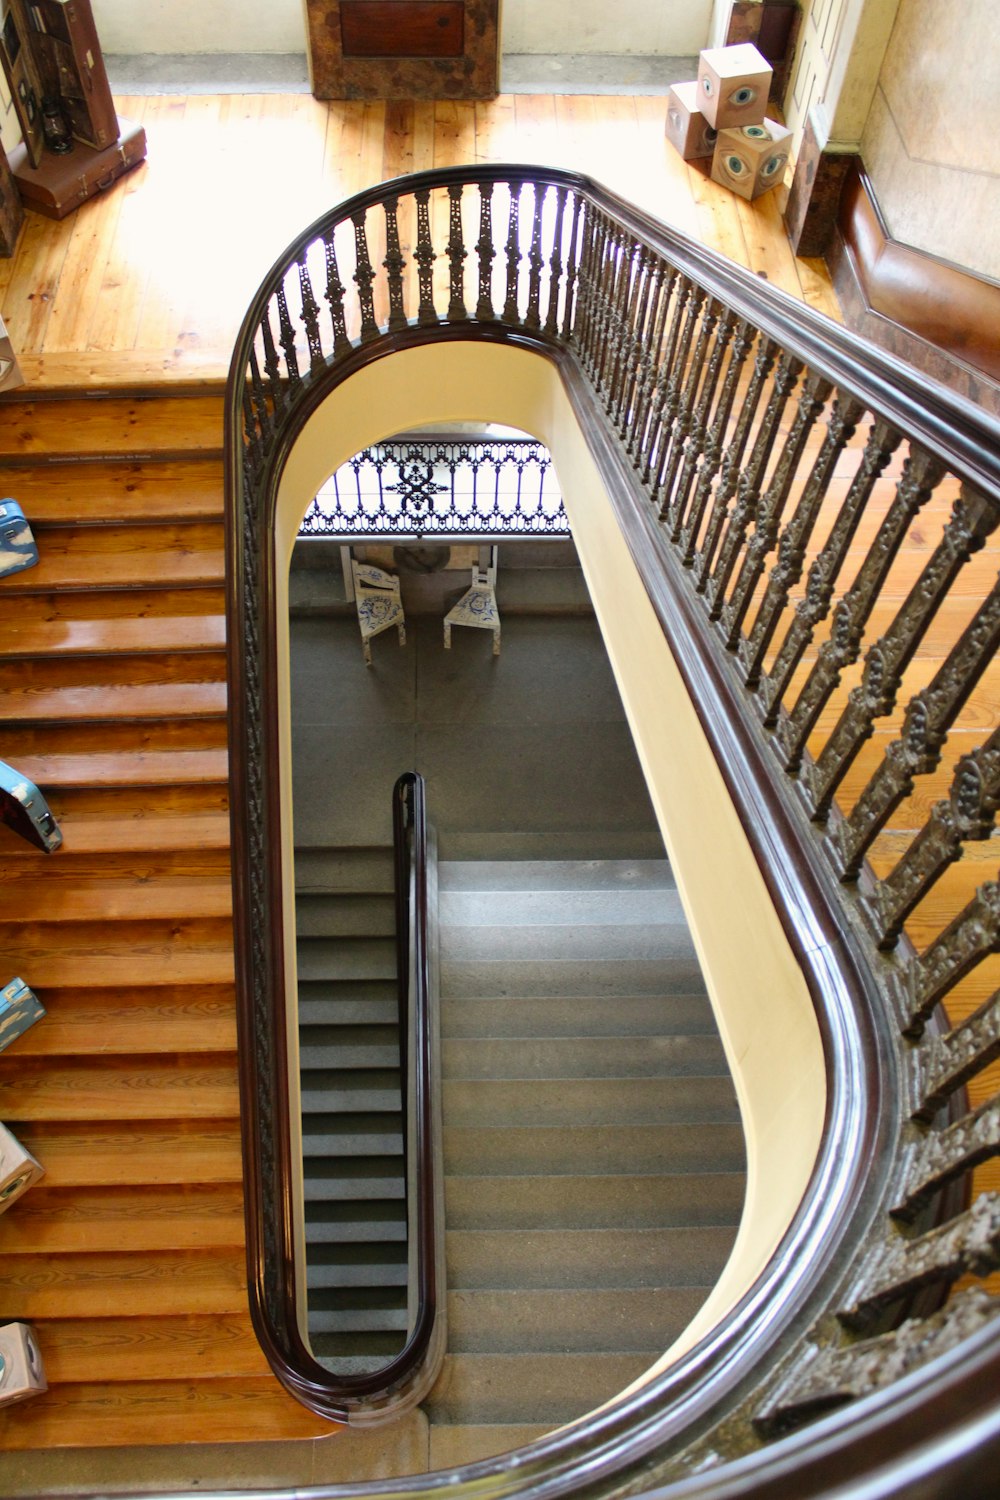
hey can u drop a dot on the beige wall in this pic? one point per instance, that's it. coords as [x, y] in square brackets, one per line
[765, 1016]
[932, 141]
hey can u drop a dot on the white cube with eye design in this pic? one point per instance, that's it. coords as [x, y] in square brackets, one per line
[752, 159]
[18, 1169]
[733, 85]
[686, 128]
[21, 1370]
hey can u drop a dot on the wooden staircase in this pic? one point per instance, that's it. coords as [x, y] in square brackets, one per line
[129, 1256]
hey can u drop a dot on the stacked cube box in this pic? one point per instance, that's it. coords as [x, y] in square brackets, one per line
[687, 129]
[18, 1169]
[751, 160]
[21, 1370]
[733, 85]
[19, 1009]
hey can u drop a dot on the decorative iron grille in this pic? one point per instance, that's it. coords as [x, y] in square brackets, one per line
[437, 487]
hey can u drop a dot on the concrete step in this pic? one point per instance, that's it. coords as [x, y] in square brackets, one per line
[530, 1150]
[364, 1133]
[568, 1321]
[574, 844]
[535, 1388]
[596, 943]
[599, 1202]
[376, 1266]
[326, 915]
[576, 1258]
[601, 1057]
[452, 1447]
[362, 1093]
[549, 979]
[575, 1016]
[357, 1364]
[539, 875]
[354, 1178]
[378, 1219]
[567, 1103]
[348, 1047]
[363, 868]
[348, 1005]
[557, 908]
[346, 958]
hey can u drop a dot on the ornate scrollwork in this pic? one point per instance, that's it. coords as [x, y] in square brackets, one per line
[946, 1155]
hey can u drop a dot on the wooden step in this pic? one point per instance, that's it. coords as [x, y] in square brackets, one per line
[112, 1088]
[104, 428]
[112, 637]
[125, 831]
[99, 493]
[175, 700]
[112, 738]
[156, 768]
[135, 1153]
[123, 1284]
[119, 557]
[130, 606]
[151, 963]
[53, 1221]
[71, 674]
[117, 1349]
[186, 1018]
[116, 900]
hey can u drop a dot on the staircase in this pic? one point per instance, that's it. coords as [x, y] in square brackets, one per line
[129, 1256]
[593, 1152]
[352, 1138]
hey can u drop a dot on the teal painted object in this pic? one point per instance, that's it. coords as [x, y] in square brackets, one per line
[18, 548]
[23, 808]
[20, 1008]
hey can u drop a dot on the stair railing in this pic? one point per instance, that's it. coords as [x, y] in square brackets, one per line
[722, 416]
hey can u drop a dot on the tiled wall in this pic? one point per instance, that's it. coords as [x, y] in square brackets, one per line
[932, 142]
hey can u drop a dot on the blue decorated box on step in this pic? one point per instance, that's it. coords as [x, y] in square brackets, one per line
[19, 1009]
[17, 545]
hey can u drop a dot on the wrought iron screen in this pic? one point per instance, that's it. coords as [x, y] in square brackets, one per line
[441, 487]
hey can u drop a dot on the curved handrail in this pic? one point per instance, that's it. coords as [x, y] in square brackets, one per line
[589, 293]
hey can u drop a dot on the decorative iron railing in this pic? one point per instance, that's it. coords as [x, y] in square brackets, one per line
[441, 487]
[767, 467]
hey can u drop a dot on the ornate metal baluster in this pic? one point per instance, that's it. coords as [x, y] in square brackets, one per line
[961, 947]
[680, 377]
[310, 317]
[260, 406]
[272, 363]
[625, 329]
[286, 338]
[882, 443]
[457, 255]
[967, 816]
[929, 716]
[583, 329]
[694, 442]
[638, 332]
[921, 474]
[748, 489]
[844, 417]
[822, 1380]
[251, 437]
[729, 474]
[364, 275]
[716, 433]
[946, 1063]
[394, 265]
[555, 265]
[335, 293]
[943, 1157]
[513, 249]
[681, 426]
[614, 285]
[572, 268]
[683, 290]
[664, 278]
[967, 1245]
[972, 521]
[486, 253]
[425, 257]
[536, 262]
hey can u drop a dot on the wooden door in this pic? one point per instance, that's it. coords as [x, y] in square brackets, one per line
[403, 49]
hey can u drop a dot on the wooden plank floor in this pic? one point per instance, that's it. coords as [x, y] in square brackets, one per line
[150, 281]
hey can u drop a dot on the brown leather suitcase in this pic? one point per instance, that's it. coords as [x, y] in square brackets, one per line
[61, 183]
[69, 61]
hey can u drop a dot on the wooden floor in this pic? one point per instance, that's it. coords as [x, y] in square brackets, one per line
[151, 280]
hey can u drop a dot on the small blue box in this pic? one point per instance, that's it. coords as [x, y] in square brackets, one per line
[18, 549]
[19, 1009]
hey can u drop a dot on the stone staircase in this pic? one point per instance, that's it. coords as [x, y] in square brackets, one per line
[593, 1152]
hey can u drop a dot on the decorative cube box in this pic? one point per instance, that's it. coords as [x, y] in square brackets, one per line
[686, 129]
[752, 159]
[19, 1009]
[733, 85]
[21, 1370]
[18, 1169]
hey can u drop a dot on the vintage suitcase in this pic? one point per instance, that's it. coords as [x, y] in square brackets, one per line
[68, 58]
[18, 549]
[23, 808]
[61, 183]
[20, 1008]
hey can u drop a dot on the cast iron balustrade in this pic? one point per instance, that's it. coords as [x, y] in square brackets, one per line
[766, 467]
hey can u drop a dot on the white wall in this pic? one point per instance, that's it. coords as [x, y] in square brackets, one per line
[663, 28]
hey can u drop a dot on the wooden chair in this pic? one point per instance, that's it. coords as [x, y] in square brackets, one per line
[478, 605]
[379, 606]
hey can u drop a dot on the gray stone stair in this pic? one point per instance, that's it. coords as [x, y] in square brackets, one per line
[351, 1121]
[594, 1159]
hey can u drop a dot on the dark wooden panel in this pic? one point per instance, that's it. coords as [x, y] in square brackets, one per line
[402, 28]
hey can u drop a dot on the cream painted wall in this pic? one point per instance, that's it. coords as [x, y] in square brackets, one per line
[666, 28]
[765, 1015]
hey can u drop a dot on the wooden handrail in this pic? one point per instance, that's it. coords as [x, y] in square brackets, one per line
[717, 411]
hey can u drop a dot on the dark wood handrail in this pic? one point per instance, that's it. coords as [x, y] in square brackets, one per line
[589, 294]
